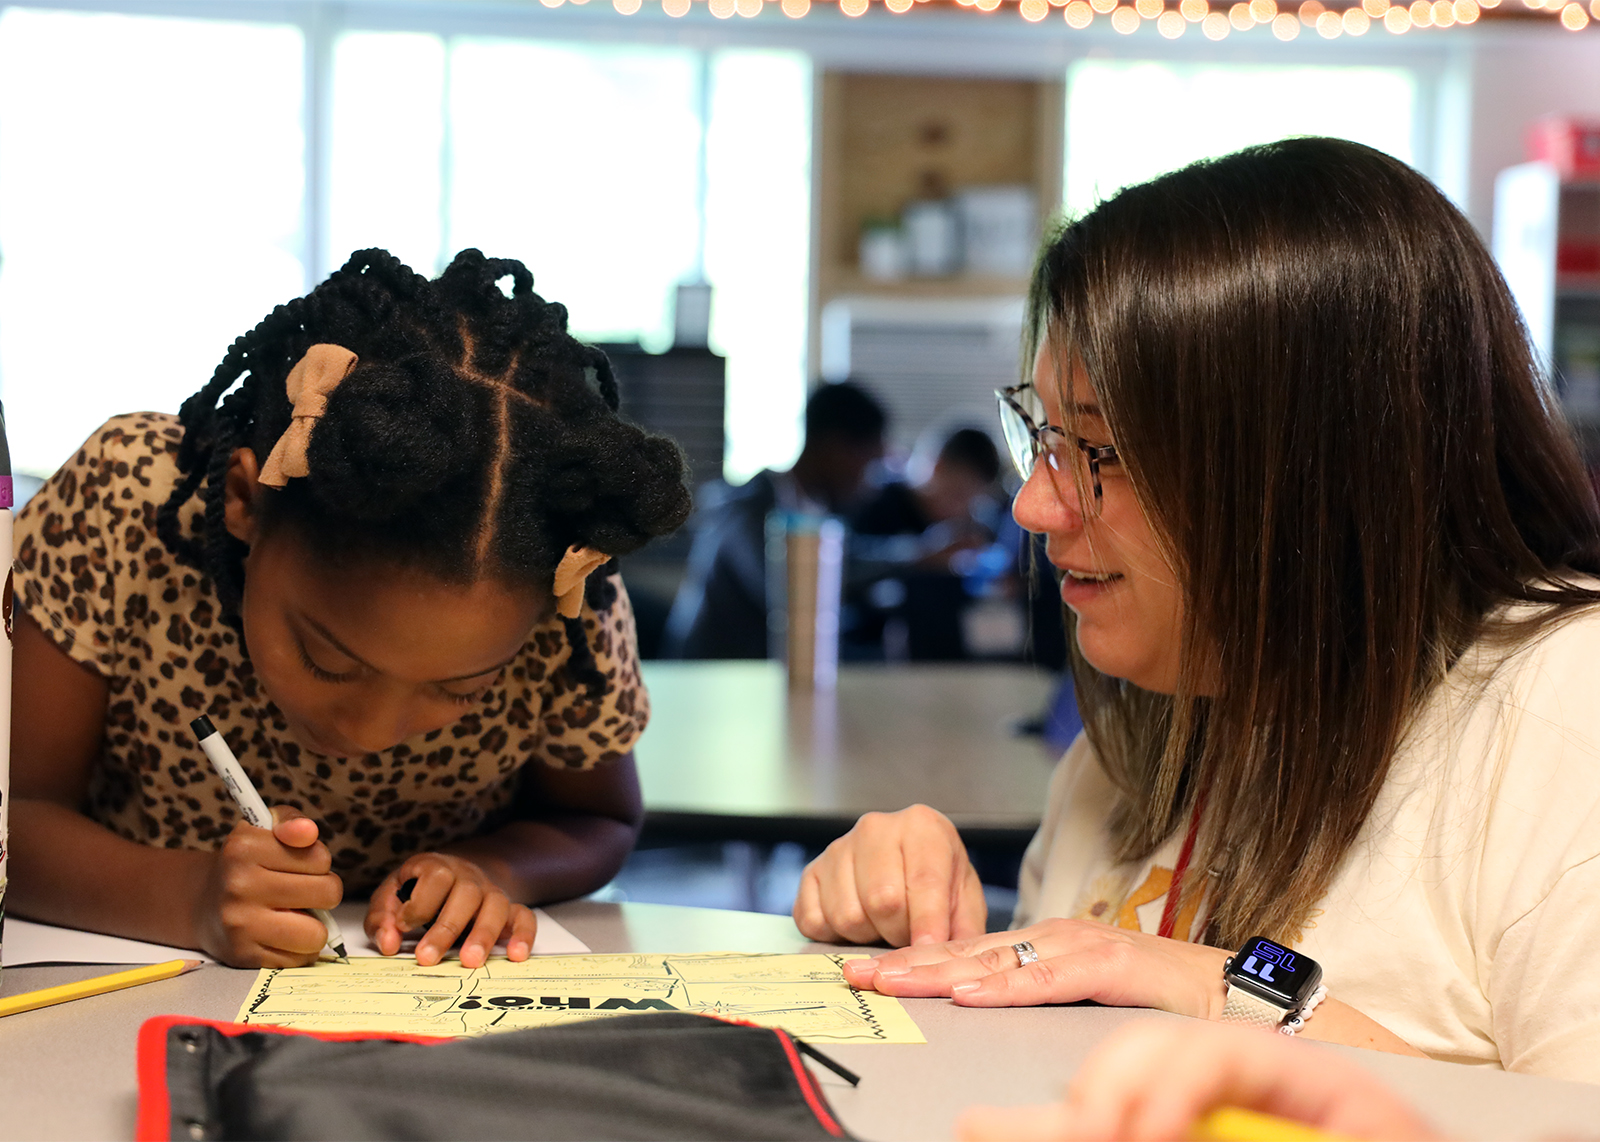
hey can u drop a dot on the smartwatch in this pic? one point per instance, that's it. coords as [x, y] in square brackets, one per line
[1271, 986]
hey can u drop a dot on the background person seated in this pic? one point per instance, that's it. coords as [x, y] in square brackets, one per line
[721, 609]
[945, 503]
[912, 547]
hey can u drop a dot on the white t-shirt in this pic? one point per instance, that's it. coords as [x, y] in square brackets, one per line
[1466, 916]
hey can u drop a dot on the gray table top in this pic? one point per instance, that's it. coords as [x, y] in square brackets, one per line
[729, 739]
[68, 1071]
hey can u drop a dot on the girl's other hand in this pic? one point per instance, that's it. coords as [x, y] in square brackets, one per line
[1078, 960]
[250, 911]
[903, 878]
[451, 896]
[1151, 1081]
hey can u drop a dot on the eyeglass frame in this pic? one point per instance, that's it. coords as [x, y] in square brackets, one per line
[1095, 453]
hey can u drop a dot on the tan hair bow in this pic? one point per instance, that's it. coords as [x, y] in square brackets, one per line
[572, 573]
[310, 382]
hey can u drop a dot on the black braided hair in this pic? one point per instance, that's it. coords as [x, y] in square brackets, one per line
[474, 438]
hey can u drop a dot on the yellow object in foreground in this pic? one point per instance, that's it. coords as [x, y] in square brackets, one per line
[1232, 1124]
[97, 986]
[805, 994]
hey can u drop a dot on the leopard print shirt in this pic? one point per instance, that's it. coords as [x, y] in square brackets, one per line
[92, 573]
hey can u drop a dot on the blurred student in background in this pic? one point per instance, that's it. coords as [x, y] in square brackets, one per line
[912, 545]
[721, 609]
[945, 505]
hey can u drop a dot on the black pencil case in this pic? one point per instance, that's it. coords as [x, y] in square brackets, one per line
[656, 1076]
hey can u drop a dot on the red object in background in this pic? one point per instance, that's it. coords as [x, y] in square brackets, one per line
[1578, 255]
[1572, 146]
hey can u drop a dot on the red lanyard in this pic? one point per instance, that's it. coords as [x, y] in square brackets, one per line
[1169, 914]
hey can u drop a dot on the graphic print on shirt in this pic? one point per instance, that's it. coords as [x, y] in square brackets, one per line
[1109, 901]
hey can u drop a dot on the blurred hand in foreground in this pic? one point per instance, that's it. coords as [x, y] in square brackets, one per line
[1158, 1080]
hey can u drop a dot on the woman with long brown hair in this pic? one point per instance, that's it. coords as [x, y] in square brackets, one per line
[1330, 560]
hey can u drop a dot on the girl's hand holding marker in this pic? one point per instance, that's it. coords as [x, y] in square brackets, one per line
[268, 869]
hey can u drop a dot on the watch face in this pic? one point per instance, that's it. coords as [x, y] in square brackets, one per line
[1274, 973]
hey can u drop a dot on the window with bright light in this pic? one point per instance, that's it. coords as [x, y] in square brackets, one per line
[153, 198]
[758, 249]
[582, 162]
[585, 162]
[388, 132]
[151, 188]
[1130, 121]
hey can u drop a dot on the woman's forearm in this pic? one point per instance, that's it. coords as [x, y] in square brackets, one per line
[551, 858]
[1336, 1022]
[1332, 1022]
[69, 870]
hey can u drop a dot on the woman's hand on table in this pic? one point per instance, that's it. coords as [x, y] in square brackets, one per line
[903, 878]
[449, 898]
[1085, 959]
[1078, 959]
[1151, 1081]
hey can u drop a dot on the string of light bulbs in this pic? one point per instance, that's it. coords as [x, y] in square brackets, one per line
[1215, 22]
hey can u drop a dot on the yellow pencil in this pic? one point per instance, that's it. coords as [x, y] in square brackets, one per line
[1235, 1124]
[44, 997]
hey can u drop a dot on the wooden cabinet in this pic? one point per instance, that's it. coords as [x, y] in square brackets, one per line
[887, 140]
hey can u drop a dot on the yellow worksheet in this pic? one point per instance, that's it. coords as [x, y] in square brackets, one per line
[804, 994]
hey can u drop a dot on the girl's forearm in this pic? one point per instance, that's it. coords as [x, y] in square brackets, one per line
[551, 858]
[69, 870]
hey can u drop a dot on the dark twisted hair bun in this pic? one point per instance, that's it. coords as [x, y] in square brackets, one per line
[474, 438]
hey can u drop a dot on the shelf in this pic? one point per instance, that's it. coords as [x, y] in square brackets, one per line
[889, 139]
[841, 282]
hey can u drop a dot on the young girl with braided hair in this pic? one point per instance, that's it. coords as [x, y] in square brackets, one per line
[376, 551]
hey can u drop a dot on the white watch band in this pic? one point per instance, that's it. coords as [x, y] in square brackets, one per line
[1297, 1019]
[1251, 1010]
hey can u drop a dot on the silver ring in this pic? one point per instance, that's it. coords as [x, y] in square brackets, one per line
[1025, 953]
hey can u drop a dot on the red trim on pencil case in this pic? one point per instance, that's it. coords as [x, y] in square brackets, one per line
[808, 1085]
[155, 1105]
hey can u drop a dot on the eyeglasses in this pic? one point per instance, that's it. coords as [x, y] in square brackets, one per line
[1029, 433]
